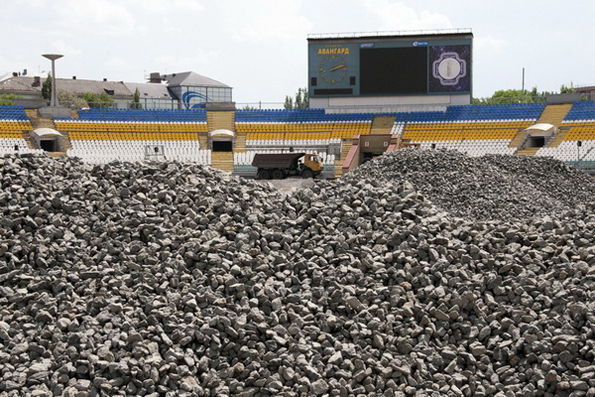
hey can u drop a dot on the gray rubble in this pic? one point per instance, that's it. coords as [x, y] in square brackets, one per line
[170, 279]
[491, 187]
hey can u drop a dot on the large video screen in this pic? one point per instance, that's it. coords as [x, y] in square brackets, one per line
[385, 66]
[394, 70]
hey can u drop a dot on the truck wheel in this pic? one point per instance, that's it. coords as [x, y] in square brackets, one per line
[278, 174]
[307, 174]
[264, 174]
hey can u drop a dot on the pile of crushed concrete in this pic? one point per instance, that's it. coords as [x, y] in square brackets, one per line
[491, 187]
[170, 279]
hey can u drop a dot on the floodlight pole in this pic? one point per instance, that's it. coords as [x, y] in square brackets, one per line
[53, 57]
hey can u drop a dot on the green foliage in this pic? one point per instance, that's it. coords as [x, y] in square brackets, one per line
[507, 97]
[520, 96]
[302, 100]
[67, 98]
[288, 102]
[135, 104]
[98, 101]
[566, 90]
[46, 88]
[8, 99]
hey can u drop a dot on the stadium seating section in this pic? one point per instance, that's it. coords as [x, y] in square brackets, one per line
[473, 129]
[13, 124]
[102, 135]
[578, 144]
[308, 127]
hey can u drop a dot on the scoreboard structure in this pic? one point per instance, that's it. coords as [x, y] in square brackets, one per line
[390, 72]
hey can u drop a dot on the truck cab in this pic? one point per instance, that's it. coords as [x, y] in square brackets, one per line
[313, 162]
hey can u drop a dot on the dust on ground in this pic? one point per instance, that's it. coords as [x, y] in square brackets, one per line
[289, 185]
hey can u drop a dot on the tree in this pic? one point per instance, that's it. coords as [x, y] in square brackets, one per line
[67, 98]
[508, 97]
[513, 96]
[46, 88]
[98, 101]
[8, 99]
[521, 96]
[302, 100]
[566, 90]
[135, 104]
[288, 102]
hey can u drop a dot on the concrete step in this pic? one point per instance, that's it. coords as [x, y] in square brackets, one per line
[528, 151]
[338, 168]
[554, 114]
[518, 139]
[222, 161]
[382, 125]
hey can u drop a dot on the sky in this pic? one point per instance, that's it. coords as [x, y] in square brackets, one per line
[259, 47]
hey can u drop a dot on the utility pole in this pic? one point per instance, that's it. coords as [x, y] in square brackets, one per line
[523, 81]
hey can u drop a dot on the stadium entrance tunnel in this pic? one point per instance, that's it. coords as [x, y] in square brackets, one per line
[48, 139]
[539, 134]
[221, 140]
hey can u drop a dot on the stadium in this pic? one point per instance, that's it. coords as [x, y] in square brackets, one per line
[447, 250]
[368, 94]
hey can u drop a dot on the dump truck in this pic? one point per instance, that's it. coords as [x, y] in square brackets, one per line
[282, 165]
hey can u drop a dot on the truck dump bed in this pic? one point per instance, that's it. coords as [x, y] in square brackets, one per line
[276, 160]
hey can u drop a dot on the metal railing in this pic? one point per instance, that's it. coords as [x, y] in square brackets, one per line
[316, 36]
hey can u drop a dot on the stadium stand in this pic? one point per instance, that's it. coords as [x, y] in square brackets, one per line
[577, 140]
[299, 127]
[13, 124]
[473, 129]
[101, 135]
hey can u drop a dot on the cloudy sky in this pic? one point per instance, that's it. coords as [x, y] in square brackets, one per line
[259, 47]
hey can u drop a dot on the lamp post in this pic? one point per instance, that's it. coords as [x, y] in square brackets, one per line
[53, 57]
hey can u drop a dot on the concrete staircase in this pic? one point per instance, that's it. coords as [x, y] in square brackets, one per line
[518, 139]
[203, 141]
[382, 125]
[27, 138]
[345, 147]
[219, 120]
[39, 122]
[33, 115]
[240, 143]
[530, 151]
[558, 138]
[554, 114]
[222, 161]
[45, 122]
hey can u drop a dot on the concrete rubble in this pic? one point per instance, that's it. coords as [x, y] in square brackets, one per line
[422, 273]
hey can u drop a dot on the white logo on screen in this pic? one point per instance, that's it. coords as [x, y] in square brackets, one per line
[449, 68]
